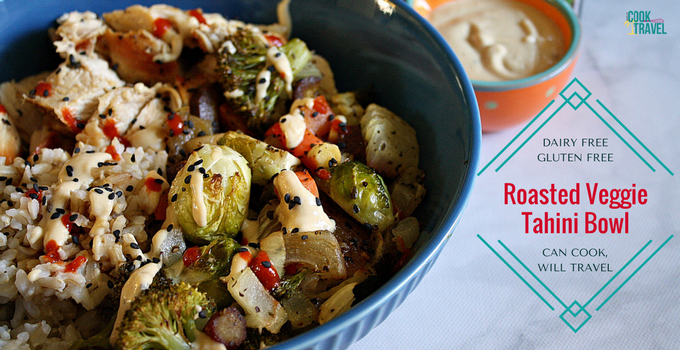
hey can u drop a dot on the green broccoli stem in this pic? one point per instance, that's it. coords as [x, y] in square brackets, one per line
[298, 54]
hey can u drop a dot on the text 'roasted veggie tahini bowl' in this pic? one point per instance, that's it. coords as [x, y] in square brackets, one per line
[182, 179]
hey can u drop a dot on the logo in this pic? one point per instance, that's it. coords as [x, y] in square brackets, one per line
[640, 22]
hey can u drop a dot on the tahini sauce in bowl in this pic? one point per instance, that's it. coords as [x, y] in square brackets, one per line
[499, 40]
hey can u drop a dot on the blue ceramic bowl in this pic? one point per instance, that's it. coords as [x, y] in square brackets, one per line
[400, 57]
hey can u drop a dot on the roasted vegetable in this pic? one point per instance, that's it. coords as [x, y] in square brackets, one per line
[262, 310]
[202, 263]
[180, 128]
[255, 76]
[318, 250]
[361, 192]
[210, 194]
[164, 318]
[407, 191]
[228, 327]
[391, 144]
[264, 160]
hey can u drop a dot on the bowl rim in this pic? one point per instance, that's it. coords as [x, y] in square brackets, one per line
[571, 54]
[419, 264]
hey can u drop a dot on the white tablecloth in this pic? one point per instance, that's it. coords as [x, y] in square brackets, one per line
[472, 299]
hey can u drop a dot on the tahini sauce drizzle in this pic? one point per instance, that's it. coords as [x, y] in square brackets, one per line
[307, 216]
[82, 164]
[499, 40]
[140, 280]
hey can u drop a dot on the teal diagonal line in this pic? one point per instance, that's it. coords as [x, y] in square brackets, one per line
[635, 137]
[532, 135]
[516, 274]
[515, 138]
[634, 272]
[532, 273]
[619, 136]
[617, 273]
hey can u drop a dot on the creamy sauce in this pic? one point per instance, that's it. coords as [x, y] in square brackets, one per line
[282, 65]
[306, 216]
[204, 342]
[140, 280]
[293, 128]
[249, 229]
[101, 207]
[79, 167]
[263, 79]
[199, 211]
[499, 40]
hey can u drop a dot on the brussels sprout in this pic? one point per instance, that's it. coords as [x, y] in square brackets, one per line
[210, 194]
[361, 192]
[264, 160]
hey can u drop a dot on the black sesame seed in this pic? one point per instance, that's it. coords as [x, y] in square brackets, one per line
[46, 93]
[103, 116]
[134, 245]
[171, 133]
[171, 116]
[304, 237]
[80, 126]
[332, 163]
[191, 168]
[130, 188]
[36, 187]
[55, 216]
[295, 230]
[315, 114]
[75, 240]
[159, 181]
[291, 205]
[133, 158]
[112, 196]
[90, 151]
[283, 120]
[318, 201]
[286, 198]
[189, 124]
[116, 233]
[65, 99]
[186, 132]
[60, 210]
[3, 178]
[355, 208]
[110, 111]
[130, 267]
[187, 179]
[254, 245]
[271, 69]
[266, 264]
[159, 171]
[119, 194]
[297, 200]
[155, 260]
[262, 80]
[283, 229]
[368, 226]
[35, 158]
[201, 133]
[170, 227]
[241, 250]
[73, 217]
[33, 195]
[173, 198]
[43, 188]
[32, 92]
[202, 314]
[331, 117]
[90, 285]
[69, 170]
[109, 284]
[99, 190]
[77, 150]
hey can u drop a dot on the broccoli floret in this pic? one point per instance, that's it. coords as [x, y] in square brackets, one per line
[242, 58]
[164, 318]
[289, 284]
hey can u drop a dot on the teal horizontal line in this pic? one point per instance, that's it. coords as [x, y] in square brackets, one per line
[515, 138]
[533, 133]
[532, 273]
[617, 273]
[619, 136]
[634, 272]
[516, 273]
[635, 137]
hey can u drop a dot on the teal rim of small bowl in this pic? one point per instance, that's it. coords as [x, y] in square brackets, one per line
[559, 67]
